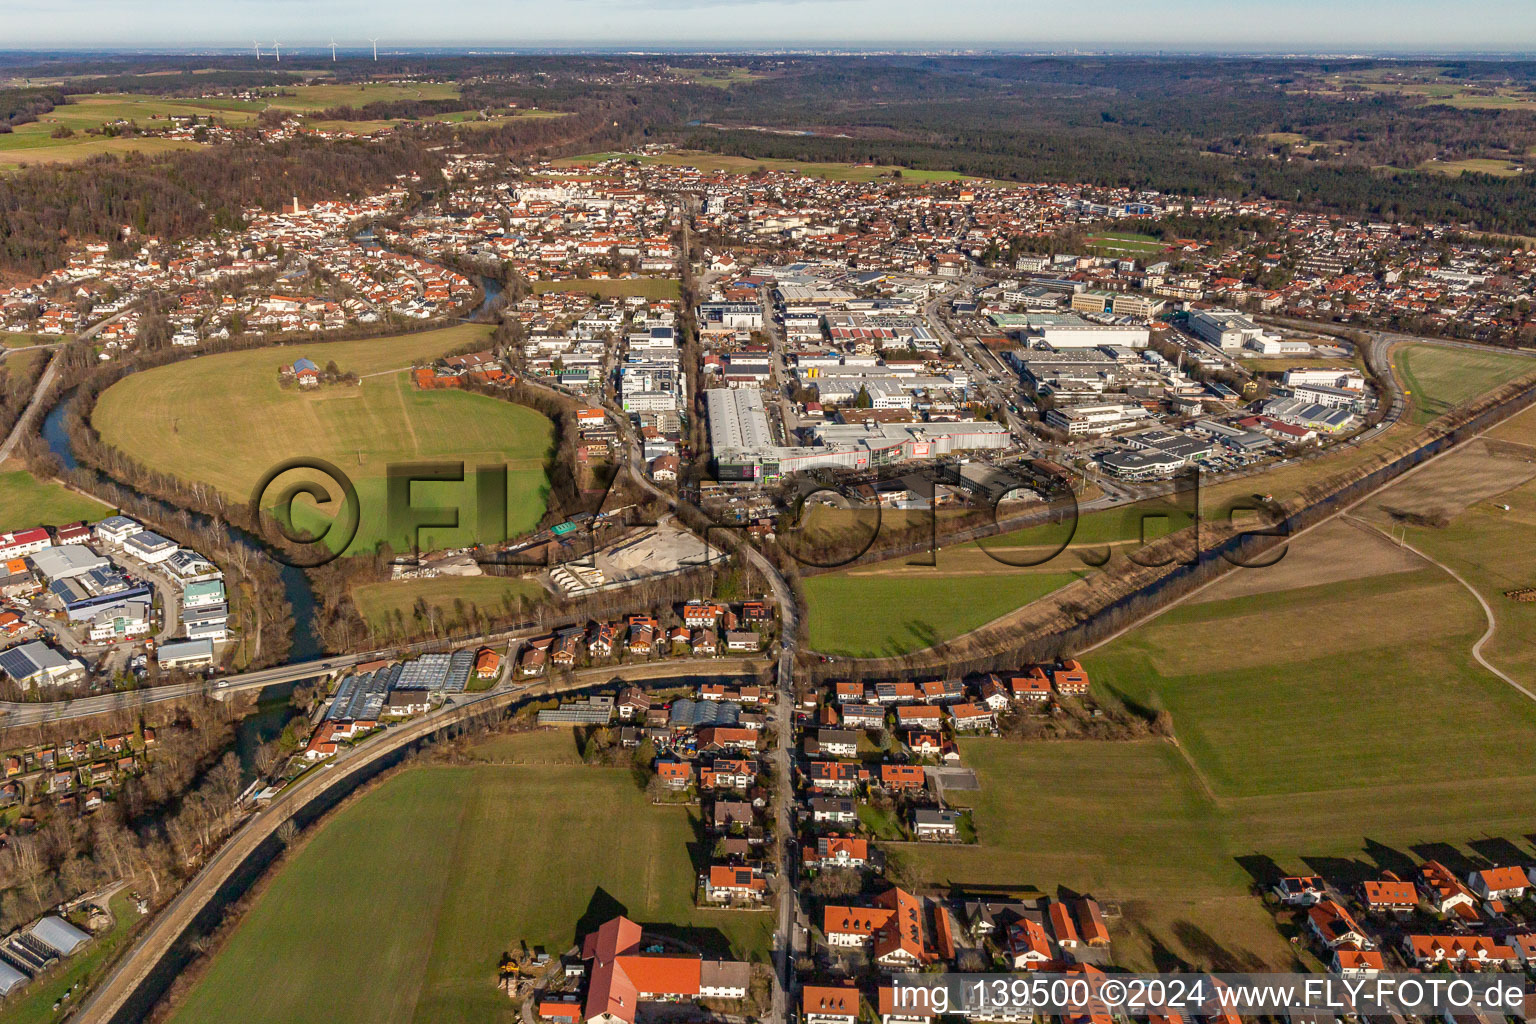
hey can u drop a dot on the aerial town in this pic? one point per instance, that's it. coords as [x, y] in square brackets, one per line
[767, 536]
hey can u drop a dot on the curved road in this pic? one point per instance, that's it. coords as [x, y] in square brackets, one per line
[173, 920]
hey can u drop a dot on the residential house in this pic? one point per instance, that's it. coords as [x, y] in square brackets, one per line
[1389, 895]
[841, 777]
[1334, 926]
[833, 743]
[1070, 679]
[935, 824]
[1027, 947]
[727, 883]
[675, 774]
[971, 717]
[829, 1004]
[1507, 883]
[1357, 963]
[836, 851]
[1300, 891]
[1457, 950]
[833, 810]
[902, 777]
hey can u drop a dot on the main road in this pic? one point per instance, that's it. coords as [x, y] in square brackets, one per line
[172, 922]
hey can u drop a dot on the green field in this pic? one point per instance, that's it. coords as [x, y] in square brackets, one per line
[743, 165]
[34, 1004]
[27, 501]
[224, 420]
[34, 142]
[438, 873]
[1498, 168]
[1124, 242]
[378, 602]
[1439, 378]
[1308, 702]
[645, 287]
[309, 98]
[895, 607]
[879, 616]
[1331, 668]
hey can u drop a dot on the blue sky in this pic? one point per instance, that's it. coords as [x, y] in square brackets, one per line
[1312, 25]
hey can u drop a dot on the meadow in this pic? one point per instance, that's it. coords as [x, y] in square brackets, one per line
[225, 420]
[440, 871]
[27, 501]
[878, 616]
[1307, 702]
[710, 162]
[895, 606]
[1438, 378]
[377, 603]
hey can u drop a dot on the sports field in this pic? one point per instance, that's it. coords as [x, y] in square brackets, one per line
[224, 420]
[378, 602]
[645, 287]
[27, 501]
[403, 904]
[1439, 378]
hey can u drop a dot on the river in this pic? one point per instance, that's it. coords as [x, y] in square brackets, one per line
[272, 710]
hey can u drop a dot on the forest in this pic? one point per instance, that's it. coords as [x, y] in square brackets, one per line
[1250, 128]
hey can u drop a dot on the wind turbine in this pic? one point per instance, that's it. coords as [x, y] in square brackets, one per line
[257, 47]
[277, 48]
[333, 51]
[375, 43]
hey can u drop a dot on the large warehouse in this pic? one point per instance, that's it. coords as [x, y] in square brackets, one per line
[743, 450]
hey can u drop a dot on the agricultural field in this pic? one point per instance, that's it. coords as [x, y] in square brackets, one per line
[653, 288]
[379, 602]
[722, 77]
[878, 615]
[225, 421]
[304, 99]
[498, 854]
[1439, 378]
[34, 142]
[709, 162]
[1475, 511]
[1289, 691]
[1131, 823]
[1498, 168]
[894, 607]
[27, 501]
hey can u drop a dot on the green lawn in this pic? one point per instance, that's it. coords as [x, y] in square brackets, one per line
[439, 872]
[1439, 378]
[27, 501]
[377, 602]
[34, 1004]
[646, 287]
[225, 421]
[878, 616]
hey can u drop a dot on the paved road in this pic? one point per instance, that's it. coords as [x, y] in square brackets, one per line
[19, 713]
[170, 923]
[24, 422]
